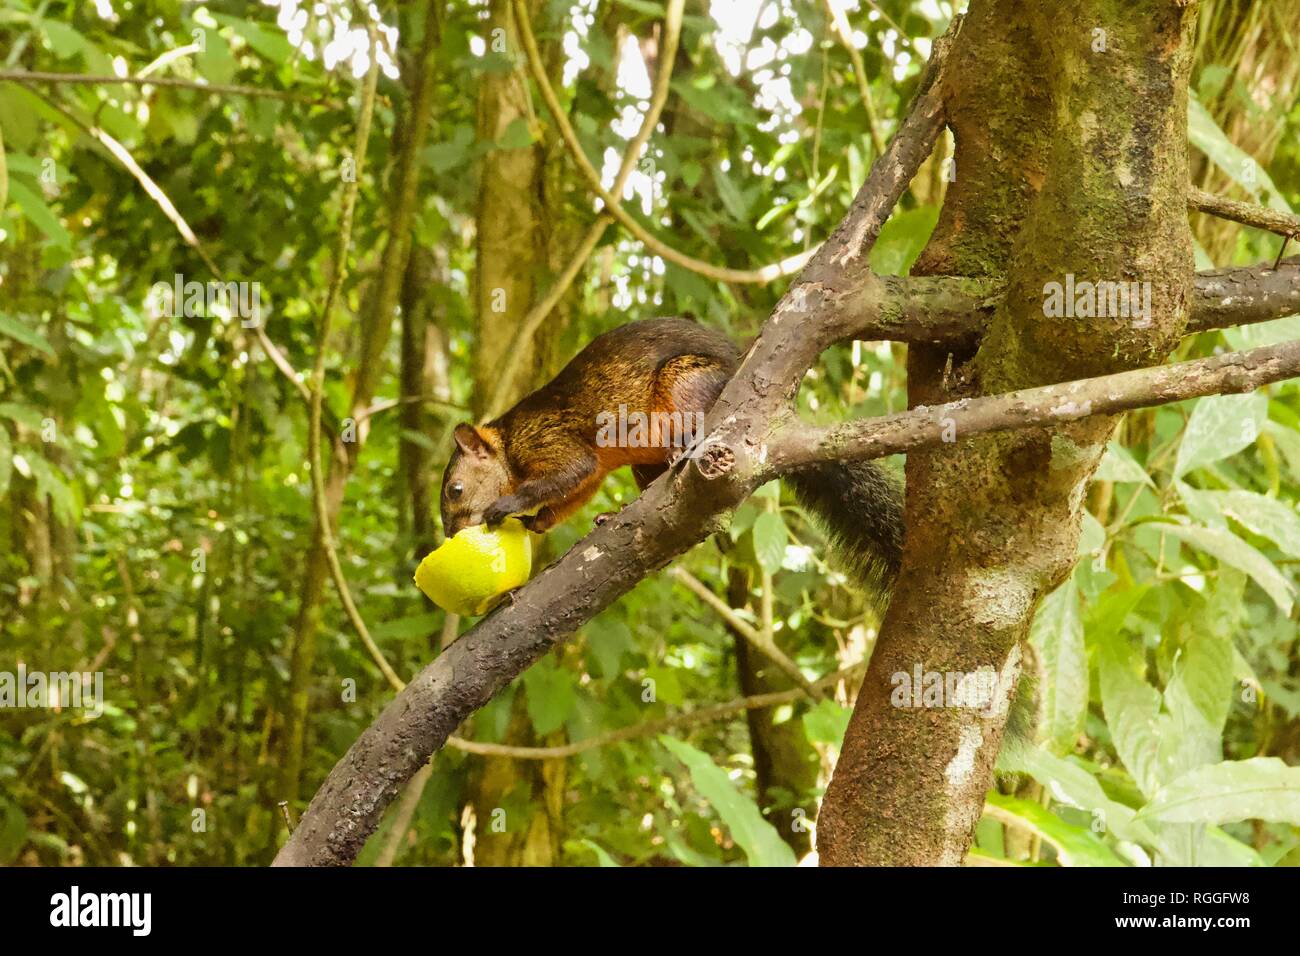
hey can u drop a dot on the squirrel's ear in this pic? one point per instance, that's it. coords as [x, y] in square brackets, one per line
[471, 441]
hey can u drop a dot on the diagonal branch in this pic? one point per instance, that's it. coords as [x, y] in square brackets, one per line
[673, 514]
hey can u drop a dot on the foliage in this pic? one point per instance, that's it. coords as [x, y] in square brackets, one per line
[156, 499]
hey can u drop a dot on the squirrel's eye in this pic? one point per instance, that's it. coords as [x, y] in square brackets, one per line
[455, 490]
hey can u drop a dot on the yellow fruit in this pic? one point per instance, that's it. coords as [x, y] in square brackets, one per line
[467, 571]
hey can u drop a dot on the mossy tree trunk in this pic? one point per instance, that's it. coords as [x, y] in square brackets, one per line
[1070, 123]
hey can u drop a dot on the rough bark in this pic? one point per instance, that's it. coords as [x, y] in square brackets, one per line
[1069, 161]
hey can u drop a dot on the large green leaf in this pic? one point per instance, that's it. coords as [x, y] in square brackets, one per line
[758, 838]
[1075, 846]
[1206, 135]
[770, 538]
[1057, 632]
[1230, 549]
[1071, 784]
[1120, 465]
[1132, 708]
[1261, 515]
[551, 695]
[1261, 788]
[27, 336]
[1220, 426]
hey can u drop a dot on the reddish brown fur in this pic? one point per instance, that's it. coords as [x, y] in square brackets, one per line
[542, 456]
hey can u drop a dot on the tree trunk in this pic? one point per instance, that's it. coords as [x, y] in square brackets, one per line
[1070, 123]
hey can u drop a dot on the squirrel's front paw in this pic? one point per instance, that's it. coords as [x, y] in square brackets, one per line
[501, 509]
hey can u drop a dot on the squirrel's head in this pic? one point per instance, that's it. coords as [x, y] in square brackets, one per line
[477, 475]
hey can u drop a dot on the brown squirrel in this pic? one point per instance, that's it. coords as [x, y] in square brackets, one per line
[546, 456]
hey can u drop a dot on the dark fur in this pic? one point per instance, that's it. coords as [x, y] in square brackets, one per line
[542, 455]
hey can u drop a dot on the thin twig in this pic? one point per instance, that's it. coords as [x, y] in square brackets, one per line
[700, 715]
[672, 31]
[761, 643]
[318, 373]
[34, 77]
[1246, 213]
[613, 205]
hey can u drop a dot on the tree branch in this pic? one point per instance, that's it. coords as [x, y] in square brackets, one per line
[924, 426]
[33, 77]
[1248, 214]
[690, 718]
[953, 312]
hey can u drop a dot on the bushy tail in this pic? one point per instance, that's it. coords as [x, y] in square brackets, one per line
[861, 507]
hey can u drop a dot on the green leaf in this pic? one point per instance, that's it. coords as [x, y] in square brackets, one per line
[1261, 515]
[1057, 632]
[1261, 788]
[66, 506]
[1071, 784]
[269, 41]
[731, 196]
[667, 684]
[901, 240]
[6, 461]
[1120, 465]
[762, 844]
[1220, 426]
[214, 62]
[1075, 846]
[602, 855]
[517, 135]
[30, 337]
[64, 41]
[1230, 549]
[1205, 134]
[421, 625]
[551, 695]
[1132, 709]
[770, 538]
[827, 722]
[13, 831]
[42, 217]
[608, 641]
[24, 415]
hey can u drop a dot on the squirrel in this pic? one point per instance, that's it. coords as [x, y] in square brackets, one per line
[546, 457]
